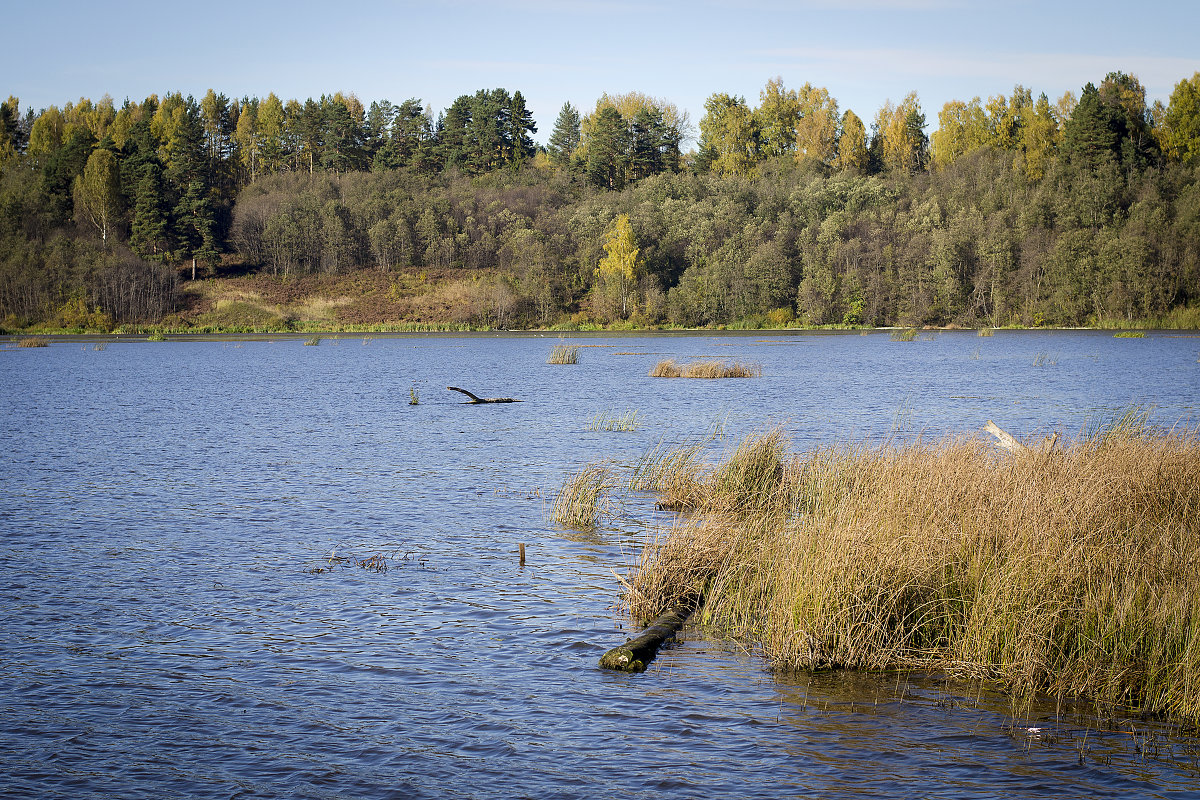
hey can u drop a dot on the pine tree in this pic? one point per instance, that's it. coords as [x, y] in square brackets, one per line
[148, 236]
[606, 150]
[564, 140]
[195, 227]
[520, 125]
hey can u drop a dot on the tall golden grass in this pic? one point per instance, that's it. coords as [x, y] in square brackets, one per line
[1074, 572]
[705, 369]
[581, 500]
[563, 353]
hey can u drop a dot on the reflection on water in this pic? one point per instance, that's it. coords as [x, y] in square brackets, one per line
[187, 612]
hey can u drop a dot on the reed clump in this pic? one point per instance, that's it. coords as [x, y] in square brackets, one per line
[904, 335]
[563, 353]
[1074, 572]
[612, 422]
[581, 500]
[33, 341]
[705, 369]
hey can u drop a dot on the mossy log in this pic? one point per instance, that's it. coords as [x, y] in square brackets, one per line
[476, 399]
[634, 655]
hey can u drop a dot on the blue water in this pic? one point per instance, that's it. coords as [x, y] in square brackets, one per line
[183, 616]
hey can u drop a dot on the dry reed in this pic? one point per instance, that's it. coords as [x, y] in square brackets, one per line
[581, 499]
[1074, 572]
[564, 354]
[705, 369]
[604, 421]
[33, 341]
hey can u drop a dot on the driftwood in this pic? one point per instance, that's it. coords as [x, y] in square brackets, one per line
[476, 399]
[634, 655]
[1006, 440]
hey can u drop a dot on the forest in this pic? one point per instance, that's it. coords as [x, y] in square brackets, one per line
[1014, 211]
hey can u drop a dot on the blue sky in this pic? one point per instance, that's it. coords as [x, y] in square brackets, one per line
[864, 52]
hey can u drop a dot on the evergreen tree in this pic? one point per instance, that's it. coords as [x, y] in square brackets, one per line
[519, 121]
[1090, 135]
[195, 230]
[186, 155]
[452, 131]
[148, 235]
[606, 150]
[564, 140]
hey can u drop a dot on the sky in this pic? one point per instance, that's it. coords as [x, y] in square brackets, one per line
[865, 52]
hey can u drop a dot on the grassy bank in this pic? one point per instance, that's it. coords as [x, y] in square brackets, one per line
[374, 301]
[1074, 572]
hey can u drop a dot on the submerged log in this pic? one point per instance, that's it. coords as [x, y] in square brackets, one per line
[475, 399]
[634, 655]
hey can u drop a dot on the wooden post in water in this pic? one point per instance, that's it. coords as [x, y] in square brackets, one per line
[521, 548]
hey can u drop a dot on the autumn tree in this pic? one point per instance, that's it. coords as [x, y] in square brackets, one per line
[617, 274]
[1181, 122]
[852, 144]
[901, 134]
[776, 117]
[816, 129]
[962, 129]
[729, 136]
[98, 197]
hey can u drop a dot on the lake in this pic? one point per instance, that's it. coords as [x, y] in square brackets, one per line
[236, 569]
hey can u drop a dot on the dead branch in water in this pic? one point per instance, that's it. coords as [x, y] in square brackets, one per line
[477, 399]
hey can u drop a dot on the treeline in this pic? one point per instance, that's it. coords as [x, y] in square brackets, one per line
[1014, 211]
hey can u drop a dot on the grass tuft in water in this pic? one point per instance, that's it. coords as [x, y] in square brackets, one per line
[33, 341]
[581, 500]
[605, 421]
[312, 341]
[986, 332]
[413, 398]
[705, 369]
[904, 335]
[564, 353]
[1071, 572]
[1045, 359]
[1129, 335]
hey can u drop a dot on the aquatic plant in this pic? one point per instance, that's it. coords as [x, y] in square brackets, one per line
[413, 398]
[1129, 335]
[1071, 572]
[33, 341]
[1045, 359]
[604, 421]
[579, 503]
[986, 332]
[312, 341]
[564, 353]
[903, 335]
[705, 369]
